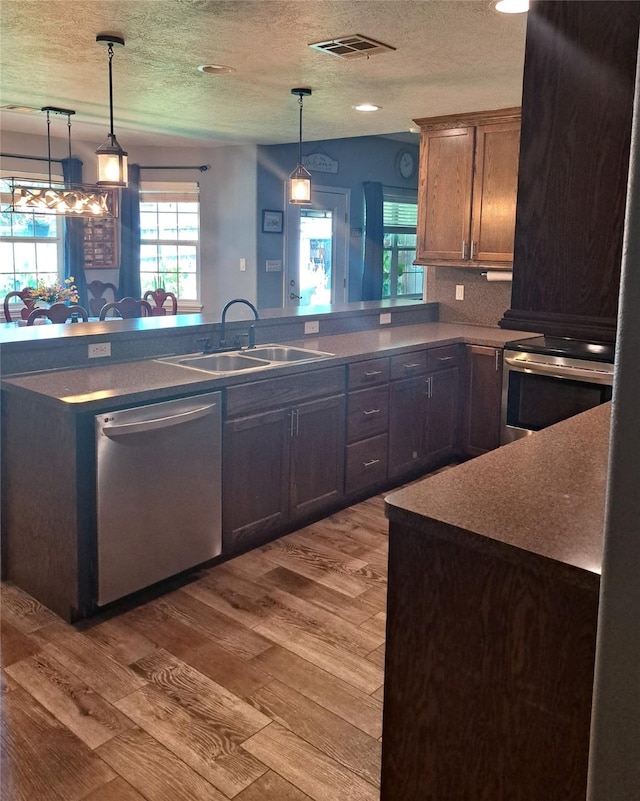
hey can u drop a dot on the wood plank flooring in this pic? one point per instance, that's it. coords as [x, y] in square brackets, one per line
[259, 680]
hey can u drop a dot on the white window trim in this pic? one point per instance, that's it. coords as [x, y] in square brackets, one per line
[176, 192]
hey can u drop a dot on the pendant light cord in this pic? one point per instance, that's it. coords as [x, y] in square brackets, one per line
[49, 145]
[300, 138]
[111, 134]
[69, 132]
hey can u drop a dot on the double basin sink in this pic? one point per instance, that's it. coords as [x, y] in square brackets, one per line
[258, 358]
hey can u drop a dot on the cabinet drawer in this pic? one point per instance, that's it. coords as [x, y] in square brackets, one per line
[445, 356]
[368, 413]
[407, 364]
[280, 392]
[366, 463]
[368, 373]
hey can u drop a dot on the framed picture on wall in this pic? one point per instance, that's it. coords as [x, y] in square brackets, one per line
[272, 221]
[100, 242]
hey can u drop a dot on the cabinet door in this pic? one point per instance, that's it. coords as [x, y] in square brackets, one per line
[444, 194]
[482, 399]
[495, 188]
[317, 455]
[442, 416]
[407, 415]
[255, 478]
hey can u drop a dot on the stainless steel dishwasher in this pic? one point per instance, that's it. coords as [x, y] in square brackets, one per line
[158, 492]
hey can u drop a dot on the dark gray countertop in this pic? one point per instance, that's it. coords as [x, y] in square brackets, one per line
[541, 497]
[92, 388]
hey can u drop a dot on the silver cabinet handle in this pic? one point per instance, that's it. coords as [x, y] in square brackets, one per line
[412, 366]
[464, 248]
[429, 383]
[295, 423]
[371, 411]
[445, 358]
[498, 360]
[371, 463]
[473, 247]
[160, 422]
[371, 373]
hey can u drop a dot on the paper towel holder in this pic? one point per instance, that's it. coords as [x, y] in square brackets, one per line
[497, 275]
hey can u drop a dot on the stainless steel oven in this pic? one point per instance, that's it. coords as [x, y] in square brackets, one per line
[547, 379]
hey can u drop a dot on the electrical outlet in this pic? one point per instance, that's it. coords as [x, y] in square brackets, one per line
[459, 291]
[99, 349]
[243, 265]
[312, 327]
[385, 318]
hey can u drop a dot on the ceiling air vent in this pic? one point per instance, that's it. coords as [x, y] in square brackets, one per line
[354, 46]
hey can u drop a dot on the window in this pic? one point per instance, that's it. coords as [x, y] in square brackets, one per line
[169, 233]
[401, 278]
[30, 246]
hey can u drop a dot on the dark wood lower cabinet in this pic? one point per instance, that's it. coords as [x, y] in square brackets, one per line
[255, 478]
[442, 417]
[407, 415]
[482, 400]
[279, 466]
[317, 455]
[423, 421]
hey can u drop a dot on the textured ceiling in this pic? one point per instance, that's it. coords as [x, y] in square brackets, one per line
[451, 56]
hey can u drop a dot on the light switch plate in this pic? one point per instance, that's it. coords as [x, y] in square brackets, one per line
[385, 318]
[312, 327]
[459, 291]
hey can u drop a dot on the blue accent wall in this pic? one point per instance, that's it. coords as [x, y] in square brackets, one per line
[365, 158]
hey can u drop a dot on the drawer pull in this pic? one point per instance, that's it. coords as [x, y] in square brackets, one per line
[445, 358]
[412, 366]
[372, 373]
[371, 411]
[371, 463]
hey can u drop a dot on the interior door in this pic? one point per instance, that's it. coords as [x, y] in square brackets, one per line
[316, 249]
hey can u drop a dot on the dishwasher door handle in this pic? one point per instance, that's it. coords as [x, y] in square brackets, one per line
[159, 422]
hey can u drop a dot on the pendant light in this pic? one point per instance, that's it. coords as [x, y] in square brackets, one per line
[300, 178]
[66, 199]
[112, 160]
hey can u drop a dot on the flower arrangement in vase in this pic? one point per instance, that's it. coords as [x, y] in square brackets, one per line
[56, 292]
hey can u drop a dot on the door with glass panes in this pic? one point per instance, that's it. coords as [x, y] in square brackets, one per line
[316, 249]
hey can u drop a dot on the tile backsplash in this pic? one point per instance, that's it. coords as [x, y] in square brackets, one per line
[484, 302]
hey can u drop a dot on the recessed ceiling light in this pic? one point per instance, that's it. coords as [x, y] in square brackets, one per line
[366, 107]
[512, 6]
[216, 69]
[20, 109]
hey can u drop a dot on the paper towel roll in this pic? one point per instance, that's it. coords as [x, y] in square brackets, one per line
[499, 275]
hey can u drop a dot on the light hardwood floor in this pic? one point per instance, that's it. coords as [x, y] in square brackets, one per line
[260, 680]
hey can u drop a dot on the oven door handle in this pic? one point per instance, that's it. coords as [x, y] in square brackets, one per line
[558, 371]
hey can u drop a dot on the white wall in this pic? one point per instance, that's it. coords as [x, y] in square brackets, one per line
[228, 203]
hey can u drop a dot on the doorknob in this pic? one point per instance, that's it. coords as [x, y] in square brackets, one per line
[294, 297]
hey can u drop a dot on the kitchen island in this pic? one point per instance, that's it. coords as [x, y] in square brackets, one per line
[494, 573]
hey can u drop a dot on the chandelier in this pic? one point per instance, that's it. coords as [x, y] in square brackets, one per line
[64, 199]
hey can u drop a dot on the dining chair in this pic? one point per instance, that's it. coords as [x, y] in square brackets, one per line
[159, 296]
[128, 308]
[25, 297]
[59, 313]
[99, 289]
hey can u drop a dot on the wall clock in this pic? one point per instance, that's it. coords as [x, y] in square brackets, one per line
[406, 163]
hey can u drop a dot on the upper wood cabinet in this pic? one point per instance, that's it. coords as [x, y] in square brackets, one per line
[467, 188]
